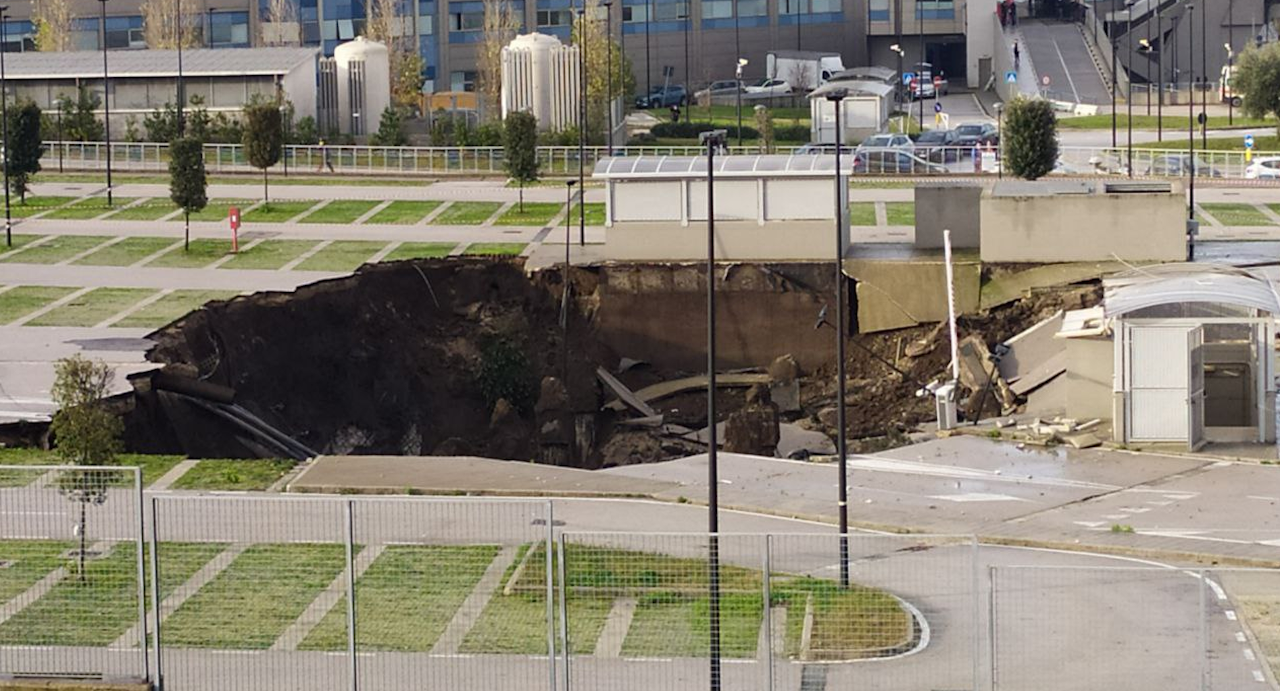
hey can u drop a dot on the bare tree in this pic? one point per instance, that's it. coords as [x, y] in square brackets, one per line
[52, 20]
[589, 31]
[801, 77]
[279, 25]
[501, 24]
[388, 25]
[163, 29]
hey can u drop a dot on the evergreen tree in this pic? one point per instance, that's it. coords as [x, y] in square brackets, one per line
[22, 156]
[1030, 145]
[390, 129]
[263, 138]
[520, 139]
[1257, 79]
[188, 184]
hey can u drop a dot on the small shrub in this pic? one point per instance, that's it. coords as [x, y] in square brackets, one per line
[506, 373]
[1121, 528]
[791, 133]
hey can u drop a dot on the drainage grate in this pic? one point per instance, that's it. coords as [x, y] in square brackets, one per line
[813, 678]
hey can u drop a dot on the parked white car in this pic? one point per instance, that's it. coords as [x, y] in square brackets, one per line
[771, 87]
[1263, 169]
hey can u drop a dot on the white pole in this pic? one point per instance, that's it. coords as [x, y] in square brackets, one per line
[951, 305]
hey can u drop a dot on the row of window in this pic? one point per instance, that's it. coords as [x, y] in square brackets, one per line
[879, 10]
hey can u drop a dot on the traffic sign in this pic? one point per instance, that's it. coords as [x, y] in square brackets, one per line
[1248, 141]
[1045, 80]
[908, 77]
[937, 81]
[1011, 77]
[937, 107]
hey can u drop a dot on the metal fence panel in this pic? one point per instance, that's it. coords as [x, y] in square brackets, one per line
[71, 574]
[1067, 628]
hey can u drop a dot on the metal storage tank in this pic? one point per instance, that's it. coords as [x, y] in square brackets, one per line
[540, 75]
[364, 85]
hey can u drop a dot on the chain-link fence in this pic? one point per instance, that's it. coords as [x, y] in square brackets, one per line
[220, 592]
[71, 572]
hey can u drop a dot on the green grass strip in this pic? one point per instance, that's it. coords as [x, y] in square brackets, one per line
[595, 214]
[277, 212]
[201, 253]
[269, 254]
[466, 213]
[234, 474]
[93, 610]
[407, 597]
[341, 211]
[673, 625]
[516, 624]
[93, 307]
[58, 249]
[36, 205]
[535, 214]
[259, 596]
[862, 214]
[152, 466]
[403, 212]
[18, 240]
[23, 300]
[341, 255]
[127, 252]
[217, 209]
[87, 208]
[177, 304]
[420, 250]
[29, 561]
[900, 213]
[148, 210]
[1237, 214]
[496, 249]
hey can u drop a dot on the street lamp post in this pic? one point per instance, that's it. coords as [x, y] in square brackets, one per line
[4, 115]
[608, 104]
[1160, 76]
[897, 48]
[106, 98]
[1128, 39]
[1191, 129]
[1147, 42]
[209, 24]
[1000, 137]
[1231, 42]
[713, 141]
[564, 295]
[1204, 78]
[923, 60]
[182, 96]
[582, 122]
[648, 64]
[836, 97]
[742, 62]
[1227, 75]
[1115, 79]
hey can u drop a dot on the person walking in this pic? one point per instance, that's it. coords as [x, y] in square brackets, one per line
[325, 160]
[1017, 56]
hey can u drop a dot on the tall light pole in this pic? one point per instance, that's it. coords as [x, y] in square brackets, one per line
[564, 296]
[1128, 39]
[742, 62]
[1191, 120]
[1115, 76]
[106, 98]
[608, 32]
[836, 98]
[4, 115]
[1227, 75]
[923, 60]
[1160, 76]
[1000, 137]
[1231, 42]
[713, 140]
[897, 48]
[1204, 78]
[582, 124]
[1147, 43]
[182, 96]
[209, 13]
[648, 64]
[1145, 46]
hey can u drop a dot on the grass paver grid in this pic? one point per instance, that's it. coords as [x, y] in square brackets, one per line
[466, 213]
[340, 211]
[234, 474]
[29, 561]
[23, 300]
[405, 599]
[217, 209]
[900, 213]
[403, 213]
[126, 252]
[857, 619]
[419, 250]
[200, 253]
[172, 306]
[535, 214]
[149, 210]
[36, 205]
[595, 213]
[494, 249]
[18, 240]
[89, 207]
[341, 255]
[55, 250]
[256, 598]
[1237, 214]
[92, 307]
[269, 254]
[862, 214]
[679, 625]
[276, 212]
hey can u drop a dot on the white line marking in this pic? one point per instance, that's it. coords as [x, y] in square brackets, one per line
[1248, 654]
[1231, 614]
[1240, 637]
[1254, 496]
[1257, 676]
[1218, 592]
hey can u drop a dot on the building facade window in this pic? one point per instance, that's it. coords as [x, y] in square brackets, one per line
[824, 6]
[717, 9]
[19, 36]
[670, 11]
[466, 21]
[632, 14]
[125, 32]
[462, 80]
[229, 29]
[878, 10]
[935, 9]
[554, 18]
[84, 33]
[753, 8]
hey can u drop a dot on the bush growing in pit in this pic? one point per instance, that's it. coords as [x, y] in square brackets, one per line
[506, 373]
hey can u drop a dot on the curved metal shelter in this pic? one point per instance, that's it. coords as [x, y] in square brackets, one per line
[1141, 289]
[759, 166]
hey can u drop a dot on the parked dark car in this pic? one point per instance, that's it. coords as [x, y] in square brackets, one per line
[662, 97]
[723, 87]
[938, 145]
[893, 162]
[1177, 165]
[977, 134]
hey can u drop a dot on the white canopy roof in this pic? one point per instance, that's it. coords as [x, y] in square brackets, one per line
[1206, 283]
[771, 165]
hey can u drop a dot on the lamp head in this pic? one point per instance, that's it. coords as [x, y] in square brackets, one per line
[570, 183]
[837, 95]
[742, 62]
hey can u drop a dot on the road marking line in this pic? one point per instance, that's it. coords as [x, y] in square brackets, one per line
[1231, 614]
[1240, 637]
[1257, 676]
[34, 243]
[1218, 592]
[228, 257]
[382, 253]
[372, 212]
[1254, 496]
[1248, 654]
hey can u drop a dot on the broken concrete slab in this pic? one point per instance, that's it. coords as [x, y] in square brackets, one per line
[624, 394]
[1081, 440]
[979, 374]
[1041, 375]
[675, 386]
[1031, 348]
[796, 442]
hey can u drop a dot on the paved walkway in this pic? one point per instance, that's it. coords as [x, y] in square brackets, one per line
[460, 190]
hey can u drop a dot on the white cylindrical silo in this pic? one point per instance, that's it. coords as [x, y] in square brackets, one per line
[533, 79]
[376, 96]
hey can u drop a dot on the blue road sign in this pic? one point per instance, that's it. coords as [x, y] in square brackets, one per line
[937, 107]
[1011, 77]
[1248, 141]
[907, 77]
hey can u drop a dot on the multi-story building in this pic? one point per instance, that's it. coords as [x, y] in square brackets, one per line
[693, 41]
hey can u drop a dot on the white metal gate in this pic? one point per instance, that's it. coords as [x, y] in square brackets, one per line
[1158, 382]
[1195, 388]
